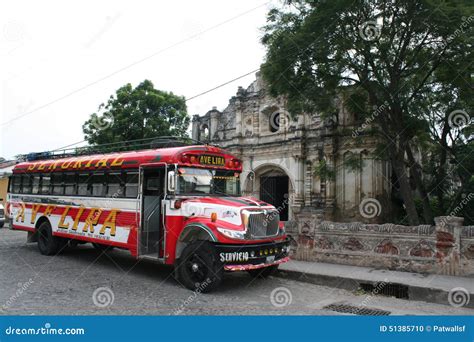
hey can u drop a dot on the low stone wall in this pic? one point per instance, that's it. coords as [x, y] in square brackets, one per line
[445, 248]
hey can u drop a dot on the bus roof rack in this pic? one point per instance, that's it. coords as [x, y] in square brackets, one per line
[122, 146]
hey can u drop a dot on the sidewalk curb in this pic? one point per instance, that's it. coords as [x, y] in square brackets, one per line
[417, 293]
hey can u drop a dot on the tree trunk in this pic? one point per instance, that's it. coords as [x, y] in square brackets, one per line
[417, 177]
[398, 166]
[440, 175]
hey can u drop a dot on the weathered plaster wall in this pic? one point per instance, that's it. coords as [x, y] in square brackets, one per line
[445, 248]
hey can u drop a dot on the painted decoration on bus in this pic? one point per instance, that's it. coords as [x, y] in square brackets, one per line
[94, 222]
[205, 159]
[76, 163]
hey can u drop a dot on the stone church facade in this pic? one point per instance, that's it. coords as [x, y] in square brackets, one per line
[283, 158]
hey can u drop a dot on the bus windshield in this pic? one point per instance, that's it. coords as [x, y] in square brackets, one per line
[193, 181]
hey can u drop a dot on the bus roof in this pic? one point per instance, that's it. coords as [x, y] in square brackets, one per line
[204, 155]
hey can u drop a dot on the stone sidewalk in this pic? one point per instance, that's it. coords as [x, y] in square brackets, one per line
[432, 288]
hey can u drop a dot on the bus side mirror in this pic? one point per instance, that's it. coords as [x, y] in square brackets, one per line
[171, 181]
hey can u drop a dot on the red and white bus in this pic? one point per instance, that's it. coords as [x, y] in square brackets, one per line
[179, 206]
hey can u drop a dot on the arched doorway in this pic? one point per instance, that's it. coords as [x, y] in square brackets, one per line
[271, 184]
[274, 189]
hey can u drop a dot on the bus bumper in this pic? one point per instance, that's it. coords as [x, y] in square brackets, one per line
[234, 268]
[253, 256]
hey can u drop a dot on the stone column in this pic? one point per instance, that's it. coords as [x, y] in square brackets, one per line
[448, 244]
[308, 184]
[214, 122]
[238, 119]
[195, 127]
[298, 200]
[330, 188]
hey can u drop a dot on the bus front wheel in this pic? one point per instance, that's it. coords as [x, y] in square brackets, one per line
[199, 268]
[48, 244]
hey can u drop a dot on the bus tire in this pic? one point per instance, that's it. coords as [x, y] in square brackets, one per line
[48, 244]
[199, 268]
[102, 248]
[264, 272]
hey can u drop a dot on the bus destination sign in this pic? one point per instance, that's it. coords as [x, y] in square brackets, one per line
[211, 160]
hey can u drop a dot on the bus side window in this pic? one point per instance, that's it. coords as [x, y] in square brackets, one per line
[35, 189]
[115, 183]
[57, 184]
[98, 184]
[131, 184]
[45, 184]
[26, 184]
[83, 188]
[70, 184]
[16, 184]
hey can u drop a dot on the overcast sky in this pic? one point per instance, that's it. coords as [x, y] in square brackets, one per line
[60, 59]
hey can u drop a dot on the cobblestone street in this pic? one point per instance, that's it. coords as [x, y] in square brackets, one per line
[33, 284]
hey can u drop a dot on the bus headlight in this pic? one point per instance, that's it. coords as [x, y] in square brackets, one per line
[234, 234]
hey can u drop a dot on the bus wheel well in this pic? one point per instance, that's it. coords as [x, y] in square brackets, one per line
[33, 236]
[191, 234]
[40, 221]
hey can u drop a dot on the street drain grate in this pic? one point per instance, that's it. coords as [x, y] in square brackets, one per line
[386, 289]
[356, 310]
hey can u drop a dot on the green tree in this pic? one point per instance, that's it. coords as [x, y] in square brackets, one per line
[388, 54]
[137, 113]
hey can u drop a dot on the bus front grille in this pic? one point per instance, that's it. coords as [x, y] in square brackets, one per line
[263, 224]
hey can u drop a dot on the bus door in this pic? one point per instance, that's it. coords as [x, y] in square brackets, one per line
[151, 235]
